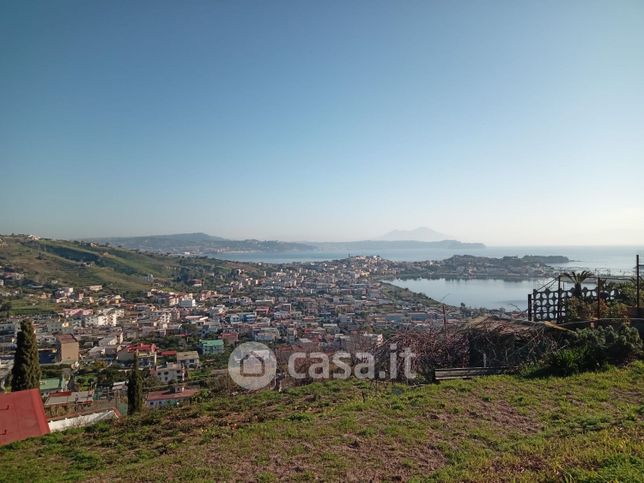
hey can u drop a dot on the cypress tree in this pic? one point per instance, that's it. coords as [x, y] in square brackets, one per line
[135, 389]
[26, 367]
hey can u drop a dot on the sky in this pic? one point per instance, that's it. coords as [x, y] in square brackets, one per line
[502, 122]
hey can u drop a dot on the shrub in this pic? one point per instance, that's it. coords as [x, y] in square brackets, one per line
[591, 349]
[577, 308]
[586, 309]
[566, 362]
[202, 396]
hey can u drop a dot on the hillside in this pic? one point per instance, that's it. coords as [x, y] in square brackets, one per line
[200, 244]
[79, 264]
[586, 427]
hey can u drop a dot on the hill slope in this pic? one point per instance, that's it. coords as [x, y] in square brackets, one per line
[200, 244]
[81, 264]
[589, 426]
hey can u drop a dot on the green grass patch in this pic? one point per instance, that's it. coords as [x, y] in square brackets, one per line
[587, 427]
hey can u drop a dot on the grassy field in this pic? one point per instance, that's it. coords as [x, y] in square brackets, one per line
[407, 295]
[583, 428]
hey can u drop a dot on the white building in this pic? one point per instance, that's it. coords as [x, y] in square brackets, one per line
[188, 359]
[95, 320]
[187, 303]
[170, 373]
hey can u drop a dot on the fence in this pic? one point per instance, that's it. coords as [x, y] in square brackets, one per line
[449, 373]
[548, 304]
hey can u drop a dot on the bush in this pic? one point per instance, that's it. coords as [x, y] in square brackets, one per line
[592, 349]
[202, 396]
[566, 362]
[586, 309]
[577, 308]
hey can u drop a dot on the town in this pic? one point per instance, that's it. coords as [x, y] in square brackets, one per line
[100, 313]
[468, 266]
[322, 241]
[88, 335]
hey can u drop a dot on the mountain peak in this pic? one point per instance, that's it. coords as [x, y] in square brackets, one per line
[422, 233]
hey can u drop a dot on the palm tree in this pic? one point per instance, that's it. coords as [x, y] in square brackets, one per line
[578, 278]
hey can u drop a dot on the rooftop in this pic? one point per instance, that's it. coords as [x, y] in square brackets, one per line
[171, 395]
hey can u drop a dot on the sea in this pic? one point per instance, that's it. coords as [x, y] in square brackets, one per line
[487, 293]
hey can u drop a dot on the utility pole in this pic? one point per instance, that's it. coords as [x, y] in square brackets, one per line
[444, 320]
[637, 282]
[599, 297]
[559, 293]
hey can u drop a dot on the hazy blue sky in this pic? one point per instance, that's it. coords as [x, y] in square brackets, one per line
[508, 122]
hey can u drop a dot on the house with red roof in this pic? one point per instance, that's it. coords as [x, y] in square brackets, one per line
[22, 415]
[147, 354]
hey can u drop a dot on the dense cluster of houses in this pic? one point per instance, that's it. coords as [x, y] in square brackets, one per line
[331, 305]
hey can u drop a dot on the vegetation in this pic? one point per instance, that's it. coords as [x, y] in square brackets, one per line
[578, 278]
[406, 295]
[586, 309]
[592, 349]
[626, 292]
[26, 368]
[201, 243]
[54, 263]
[614, 302]
[586, 427]
[135, 389]
[5, 309]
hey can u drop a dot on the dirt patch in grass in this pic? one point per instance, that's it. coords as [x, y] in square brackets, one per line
[502, 414]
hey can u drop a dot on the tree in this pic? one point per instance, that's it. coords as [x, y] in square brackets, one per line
[5, 309]
[26, 368]
[135, 389]
[578, 278]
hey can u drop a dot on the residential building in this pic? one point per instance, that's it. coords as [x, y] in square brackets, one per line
[230, 338]
[188, 359]
[67, 349]
[214, 346]
[147, 354]
[22, 416]
[8, 334]
[173, 397]
[170, 373]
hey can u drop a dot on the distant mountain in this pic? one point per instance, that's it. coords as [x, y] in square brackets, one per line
[203, 244]
[200, 244]
[370, 245]
[419, 234]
